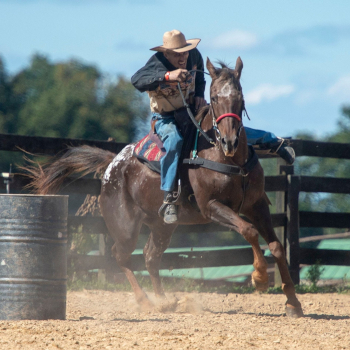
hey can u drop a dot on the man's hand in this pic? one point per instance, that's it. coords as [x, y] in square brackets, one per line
[178, 75]
[199, 102]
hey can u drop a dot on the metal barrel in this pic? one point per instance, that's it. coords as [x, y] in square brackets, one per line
[33, 256]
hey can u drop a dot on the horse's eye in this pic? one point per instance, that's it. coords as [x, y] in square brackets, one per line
[214, 99]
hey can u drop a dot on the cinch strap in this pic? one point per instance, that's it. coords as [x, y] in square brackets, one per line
[231, 115]
[223, 168]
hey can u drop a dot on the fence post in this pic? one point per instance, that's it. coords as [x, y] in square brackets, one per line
[281, 207]
[292, 242]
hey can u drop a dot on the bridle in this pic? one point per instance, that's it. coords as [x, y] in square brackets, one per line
[227, 169]
[216, 121]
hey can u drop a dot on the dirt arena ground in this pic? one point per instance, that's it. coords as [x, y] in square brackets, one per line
[112, 320]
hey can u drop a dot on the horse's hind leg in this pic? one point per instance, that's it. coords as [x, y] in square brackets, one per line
[260, 216]
[123, 260]
[158, 242]
[224, 215]
[124, 226]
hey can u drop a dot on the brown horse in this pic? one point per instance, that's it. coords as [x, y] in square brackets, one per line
[131, 195]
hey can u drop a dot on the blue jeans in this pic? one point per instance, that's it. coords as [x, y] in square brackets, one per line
[172, 141]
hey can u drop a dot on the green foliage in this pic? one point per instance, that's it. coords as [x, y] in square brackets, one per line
[314, 273]
[325, 167]
[122, 109]
[68, 99]
[6, 99]
[90, 281]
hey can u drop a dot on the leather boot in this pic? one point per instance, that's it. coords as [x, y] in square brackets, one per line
[170, 211]
[287, 153]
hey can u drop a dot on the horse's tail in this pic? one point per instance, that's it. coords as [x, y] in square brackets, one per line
[47, 177]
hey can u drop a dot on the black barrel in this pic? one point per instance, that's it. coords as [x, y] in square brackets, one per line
[33, 257]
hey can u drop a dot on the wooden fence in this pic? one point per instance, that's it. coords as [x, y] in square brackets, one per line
[287, 220]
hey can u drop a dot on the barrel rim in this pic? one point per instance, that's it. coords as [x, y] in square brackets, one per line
[32, 195]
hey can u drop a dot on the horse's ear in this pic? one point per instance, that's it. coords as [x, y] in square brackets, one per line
[211, 69]
[238, 68]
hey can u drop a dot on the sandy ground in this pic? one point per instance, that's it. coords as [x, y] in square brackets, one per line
[112, 320]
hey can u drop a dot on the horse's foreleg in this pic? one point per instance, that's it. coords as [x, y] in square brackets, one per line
[158, 242]
[261, 218]
[224, 215]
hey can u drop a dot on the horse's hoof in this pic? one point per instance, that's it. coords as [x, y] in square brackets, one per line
[260, 286]
[294, 312]
[145, 305]
[166, 305]
[189, 304]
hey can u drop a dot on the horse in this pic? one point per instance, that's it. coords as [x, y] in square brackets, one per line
[130, 192]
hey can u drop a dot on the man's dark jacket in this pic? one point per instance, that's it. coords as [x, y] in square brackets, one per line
[148, 77]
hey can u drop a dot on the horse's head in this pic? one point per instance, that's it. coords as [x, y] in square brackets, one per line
[226, 104]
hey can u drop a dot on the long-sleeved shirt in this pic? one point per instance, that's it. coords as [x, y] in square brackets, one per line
[164, 95]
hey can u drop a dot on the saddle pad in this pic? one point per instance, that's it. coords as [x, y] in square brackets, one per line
[147, 149]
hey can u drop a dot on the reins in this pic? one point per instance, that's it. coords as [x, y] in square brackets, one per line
[194, 121]
[215, 122]
[215, 166]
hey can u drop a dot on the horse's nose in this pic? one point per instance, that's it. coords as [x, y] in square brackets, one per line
[228, 146]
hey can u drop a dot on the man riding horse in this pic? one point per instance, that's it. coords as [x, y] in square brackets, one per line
[179, 61]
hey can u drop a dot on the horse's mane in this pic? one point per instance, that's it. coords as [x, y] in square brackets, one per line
[202, 112]
[224, 70]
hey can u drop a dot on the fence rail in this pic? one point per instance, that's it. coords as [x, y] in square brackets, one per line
[289, 218]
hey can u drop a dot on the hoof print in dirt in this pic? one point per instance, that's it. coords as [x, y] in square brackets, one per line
[167, 305]
[189, 305]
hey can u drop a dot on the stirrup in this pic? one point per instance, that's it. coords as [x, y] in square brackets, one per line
[175, 194]
[170, 214]
[169, 199]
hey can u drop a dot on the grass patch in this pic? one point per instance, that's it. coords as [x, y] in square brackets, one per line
[91, 282]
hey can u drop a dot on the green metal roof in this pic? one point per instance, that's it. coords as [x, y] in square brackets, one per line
[336, 244]
[196, 249]
[225, 272]
[206, 273]
[332, 272]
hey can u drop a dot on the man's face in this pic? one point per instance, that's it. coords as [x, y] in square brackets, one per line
[177, 59]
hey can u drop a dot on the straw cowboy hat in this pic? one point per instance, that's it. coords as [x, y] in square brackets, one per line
[176, 41]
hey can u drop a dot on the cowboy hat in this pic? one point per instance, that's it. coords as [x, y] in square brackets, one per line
[176, 41]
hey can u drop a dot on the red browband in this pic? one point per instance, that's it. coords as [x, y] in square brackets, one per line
[231, 115]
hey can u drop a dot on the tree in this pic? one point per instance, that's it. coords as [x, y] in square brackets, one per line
[70, 99]
[67, 99]
[313, 166]
[123, 110]
[6, 103]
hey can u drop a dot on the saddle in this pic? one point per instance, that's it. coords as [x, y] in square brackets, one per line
[150, 150]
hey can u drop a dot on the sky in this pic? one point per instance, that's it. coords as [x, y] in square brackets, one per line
[296, 54]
